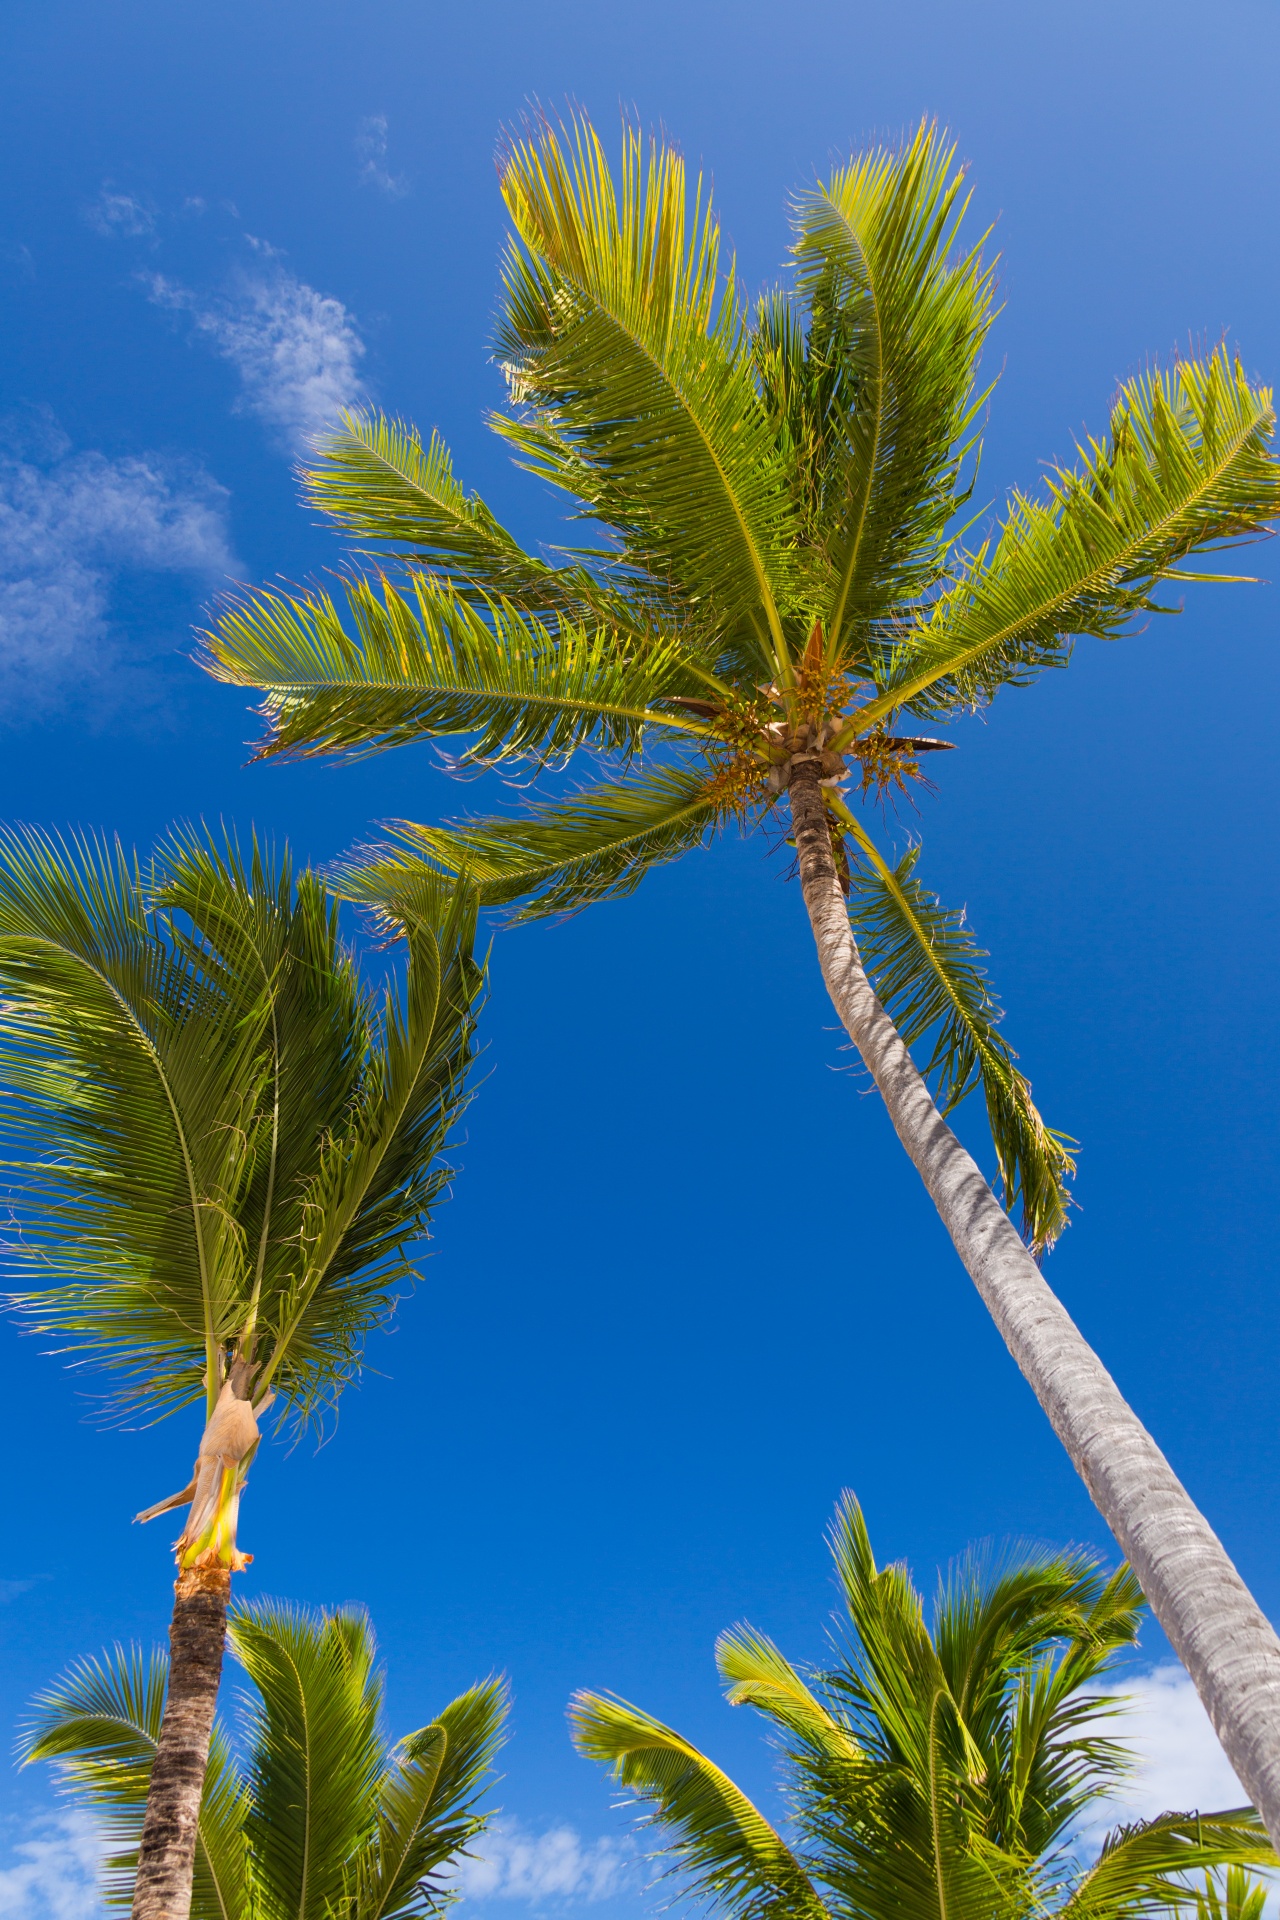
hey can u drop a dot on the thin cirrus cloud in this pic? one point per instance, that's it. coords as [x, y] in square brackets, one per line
[122, 214]
[510, 1863]
[296, 351]
[72, 525]
[371, 154]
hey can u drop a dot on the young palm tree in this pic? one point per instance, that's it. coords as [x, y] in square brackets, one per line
[220, 1143]
[776, 586]
[928, 1775]
[323, 1819]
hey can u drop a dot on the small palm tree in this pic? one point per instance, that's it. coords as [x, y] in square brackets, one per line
[928, 1775]
[322, 1819]
[220, 1143]
[776, 585]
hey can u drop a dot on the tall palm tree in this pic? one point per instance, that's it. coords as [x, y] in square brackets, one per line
[928, 1775]
[220, 1142]
[322, 1819]
[775, 587]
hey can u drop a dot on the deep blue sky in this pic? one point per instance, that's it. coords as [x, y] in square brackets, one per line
[688, 1288]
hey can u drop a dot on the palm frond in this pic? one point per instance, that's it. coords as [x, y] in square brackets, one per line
[431, 663]
[567, 854]
[99, 1726]
[315, 1752]
[1146, 1865]
[927, 969]
[758, 1675]
[427, 1807]
[619, 338]
[1186, 466]
[724, 1848]
[897, 319]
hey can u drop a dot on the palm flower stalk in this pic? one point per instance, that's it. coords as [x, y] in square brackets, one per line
[779, 606]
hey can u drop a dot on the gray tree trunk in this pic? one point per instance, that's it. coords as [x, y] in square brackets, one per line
[1220, 1634]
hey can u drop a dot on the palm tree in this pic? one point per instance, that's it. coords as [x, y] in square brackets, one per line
[776, 586]
[220, 1143]
[928, 1775]
[322, 1819]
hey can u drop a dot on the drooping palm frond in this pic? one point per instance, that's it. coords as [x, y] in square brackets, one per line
[724, 1849]
[324, 1821]
[99, 1726]
[1233, 1895]
[1185, 467]
[897, 318]
[596, 846]
[1160, 1863]
[619, 336]
[927, 968]
[429, 663]
[215, 1136]
[428, 1811]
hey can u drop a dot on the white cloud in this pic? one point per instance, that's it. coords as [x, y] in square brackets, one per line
[371, 152]
[70, 525]
[297, 351]
[1180, 1766]
[53, 1872]
[122, 214]
[515, 1864]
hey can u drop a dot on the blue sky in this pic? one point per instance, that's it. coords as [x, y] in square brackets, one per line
[687, 1288]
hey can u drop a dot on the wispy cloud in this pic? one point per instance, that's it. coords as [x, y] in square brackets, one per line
[71, 524]
[371, 153]
[11, 1589]
[297, 351]
[120, 214]
[53, 1871]
[559, 1864]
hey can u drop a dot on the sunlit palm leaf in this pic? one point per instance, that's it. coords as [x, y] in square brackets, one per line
[724, 1846]
[897, 320]
[426, 662]
[1185, 466]
[927, 969]
[427, 1807]
[618, 333]
[1146, 1865]
[598, 845]
[99, 1726]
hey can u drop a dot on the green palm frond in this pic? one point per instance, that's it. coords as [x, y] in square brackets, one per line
[620, 339]
[99, 1726]
[927, 969]
[428, 663]
[214, 1133]
[896, 322]
[1185, 467]
[315, 1752]
[725, 1850]
[756, 1674]
[1233, 1895]
[427, 1807]
[1147, 1865]
[596, 846]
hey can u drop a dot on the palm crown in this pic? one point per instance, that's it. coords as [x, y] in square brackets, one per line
[220, 1140]
[777, 577]
[927, 1775]
[321, 1818]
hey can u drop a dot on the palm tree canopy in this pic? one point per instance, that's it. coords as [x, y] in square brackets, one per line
[219, 1138]
[321, 1818]
[928, 1774]
[776, 565]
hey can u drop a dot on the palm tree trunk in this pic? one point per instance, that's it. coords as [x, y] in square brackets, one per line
[1220, 1634]
[166, 1861]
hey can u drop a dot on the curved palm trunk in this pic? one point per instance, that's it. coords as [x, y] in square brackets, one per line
[1220, 1634]
[207, 1557]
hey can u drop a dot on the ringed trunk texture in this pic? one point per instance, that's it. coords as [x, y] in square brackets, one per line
[166, 1861]
[1219, 1632]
